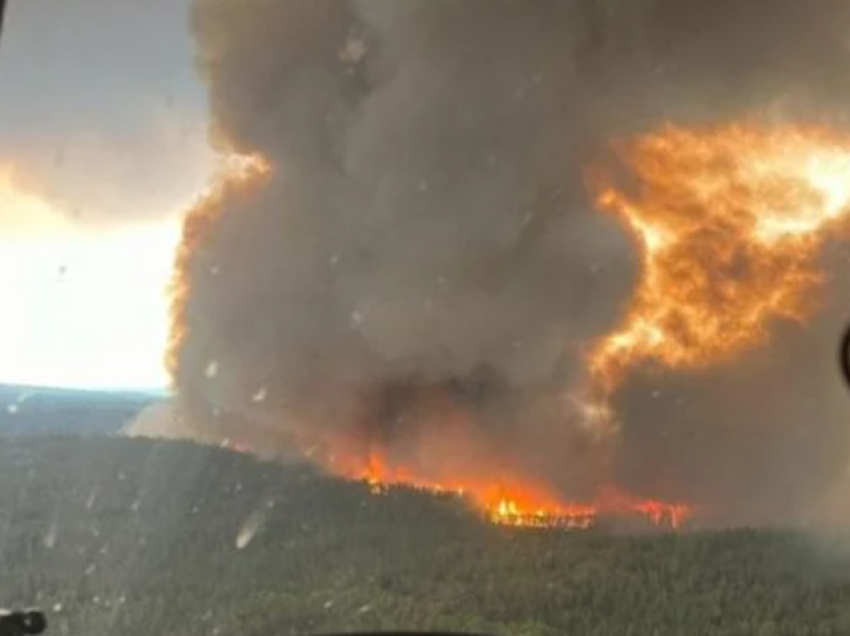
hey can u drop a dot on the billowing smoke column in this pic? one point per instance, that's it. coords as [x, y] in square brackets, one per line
[409, 271]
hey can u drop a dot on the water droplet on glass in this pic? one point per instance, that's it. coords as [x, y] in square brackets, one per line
[251, 526]
[354, 51]
[50, 537]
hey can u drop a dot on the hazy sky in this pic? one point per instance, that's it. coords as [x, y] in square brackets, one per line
[102, 146]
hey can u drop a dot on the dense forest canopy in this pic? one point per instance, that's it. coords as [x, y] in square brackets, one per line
[119, 536]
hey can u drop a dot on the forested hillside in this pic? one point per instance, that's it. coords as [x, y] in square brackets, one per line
[132, 537]
[26, 410]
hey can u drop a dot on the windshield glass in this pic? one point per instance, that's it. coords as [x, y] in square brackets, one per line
[495, 316]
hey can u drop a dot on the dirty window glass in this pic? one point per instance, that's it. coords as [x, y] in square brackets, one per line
[483, 316]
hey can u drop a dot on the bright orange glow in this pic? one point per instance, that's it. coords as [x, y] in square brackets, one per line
[232, 172]
[728, 222]
[516, 500]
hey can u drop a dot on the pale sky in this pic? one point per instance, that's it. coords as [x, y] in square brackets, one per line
[102, 148]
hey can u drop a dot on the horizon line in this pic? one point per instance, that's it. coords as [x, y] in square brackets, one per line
[152, 390]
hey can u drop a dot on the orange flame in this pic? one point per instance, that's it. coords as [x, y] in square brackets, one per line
[728, 222]
[516, 500]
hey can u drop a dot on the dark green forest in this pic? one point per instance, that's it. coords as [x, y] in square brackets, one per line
[132, 537]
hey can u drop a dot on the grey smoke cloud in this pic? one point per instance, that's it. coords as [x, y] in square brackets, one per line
[101, 110]
[426, 230]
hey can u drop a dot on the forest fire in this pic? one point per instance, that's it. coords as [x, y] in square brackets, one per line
[514, 500]
[417, 276]
[728, 223]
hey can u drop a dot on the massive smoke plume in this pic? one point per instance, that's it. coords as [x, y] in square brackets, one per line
[419, 266]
